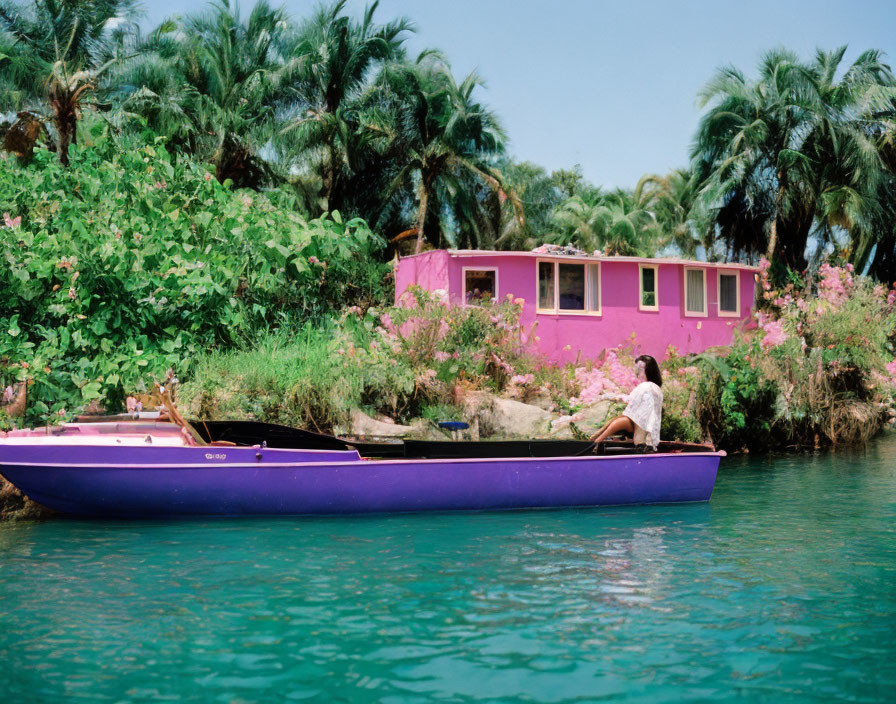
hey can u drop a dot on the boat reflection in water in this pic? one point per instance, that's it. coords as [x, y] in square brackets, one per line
[145, 469]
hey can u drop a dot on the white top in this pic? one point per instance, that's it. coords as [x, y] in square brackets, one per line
[645, 409]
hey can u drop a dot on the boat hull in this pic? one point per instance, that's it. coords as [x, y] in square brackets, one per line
[329, 486]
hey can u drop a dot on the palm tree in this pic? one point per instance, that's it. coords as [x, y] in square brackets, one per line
[448, 143]
[772, 148]
[152, 89]
[854, 170]
[617, 222]
[671, 199]
[211, 83]
[538, 194]
[57, 53]
[579, 221]
[333, 56]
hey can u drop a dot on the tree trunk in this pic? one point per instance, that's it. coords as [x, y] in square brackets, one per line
[794, 235]
[421, 215]
[235, 161]
[65, 110]
[773, 236]
[789, 234]
[772, 241]
[330, 181]
[67, 126]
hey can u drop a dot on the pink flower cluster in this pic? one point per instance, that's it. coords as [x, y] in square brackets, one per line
[11, 222]
[427, 376]
[891, 368]
[774, 331]
[784, 301]
[835, 283]
[608, 381]
[411, 326]
[522, 379]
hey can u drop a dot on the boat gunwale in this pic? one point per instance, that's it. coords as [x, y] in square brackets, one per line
[359, 463]
[196, 448]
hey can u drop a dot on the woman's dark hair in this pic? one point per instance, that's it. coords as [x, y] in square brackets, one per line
[651, 369]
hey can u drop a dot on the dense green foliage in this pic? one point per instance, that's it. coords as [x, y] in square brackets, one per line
[798, 152]
[132, 261]
[818, 370]
[402, 361]
[794, 163]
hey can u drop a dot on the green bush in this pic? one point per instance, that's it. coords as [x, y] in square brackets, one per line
[130, 262]
[418, 359]
[816, 371]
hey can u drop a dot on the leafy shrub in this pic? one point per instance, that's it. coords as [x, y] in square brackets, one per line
[421, 358]
[813, 372]
[133, 261]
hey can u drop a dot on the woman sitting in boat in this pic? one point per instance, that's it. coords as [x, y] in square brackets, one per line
[643, 415]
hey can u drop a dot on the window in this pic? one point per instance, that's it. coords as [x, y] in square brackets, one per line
[648, 299]
[480, 285]
[729, 293]
[546, 285]
[568, 288]
[571, 286]
[694, 292]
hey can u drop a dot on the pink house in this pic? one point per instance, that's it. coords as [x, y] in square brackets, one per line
[584, 304]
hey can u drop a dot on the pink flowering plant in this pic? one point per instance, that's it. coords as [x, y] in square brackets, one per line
[813, 371]
[435, 351]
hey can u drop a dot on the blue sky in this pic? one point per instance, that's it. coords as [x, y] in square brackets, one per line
[611, 86]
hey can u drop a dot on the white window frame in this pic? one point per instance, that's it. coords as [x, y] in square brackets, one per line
[656, 287]
[463, 281]
[556, 310]
[689, 313]
[736, 274]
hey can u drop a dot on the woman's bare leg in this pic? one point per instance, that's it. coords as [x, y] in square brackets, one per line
[620, 424]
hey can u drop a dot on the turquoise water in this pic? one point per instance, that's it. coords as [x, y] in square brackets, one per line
[783, 588]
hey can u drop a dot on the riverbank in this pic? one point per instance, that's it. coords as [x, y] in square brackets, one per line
[14, 506]
[814, 369]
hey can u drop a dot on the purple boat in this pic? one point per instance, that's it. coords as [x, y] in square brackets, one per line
[148, 470]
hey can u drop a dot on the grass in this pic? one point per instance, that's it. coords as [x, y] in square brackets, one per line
[291, 378]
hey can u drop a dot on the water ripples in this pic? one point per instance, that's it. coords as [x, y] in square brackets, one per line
[780, 589]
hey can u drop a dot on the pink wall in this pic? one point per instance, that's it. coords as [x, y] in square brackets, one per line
[587, 335]
[428, 270]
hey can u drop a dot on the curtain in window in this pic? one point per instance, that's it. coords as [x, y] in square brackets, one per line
[695, 302]
[593, 287]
